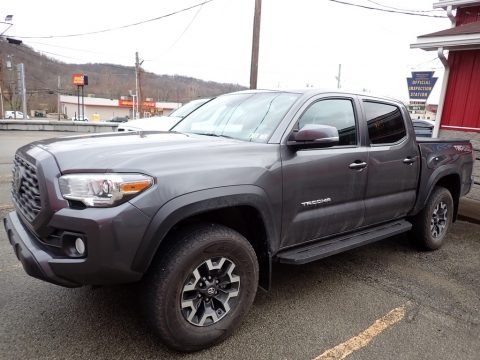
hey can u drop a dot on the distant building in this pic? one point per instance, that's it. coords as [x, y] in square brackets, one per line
[459, 106]
[458, 112]
[100, 109]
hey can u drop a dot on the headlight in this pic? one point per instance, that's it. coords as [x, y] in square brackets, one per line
[103, 190]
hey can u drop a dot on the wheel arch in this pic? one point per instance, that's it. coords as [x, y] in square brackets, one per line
[243, 208]
[451, 181]
[453, 184]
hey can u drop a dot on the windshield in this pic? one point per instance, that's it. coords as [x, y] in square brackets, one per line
[186, 109]
[243, 116]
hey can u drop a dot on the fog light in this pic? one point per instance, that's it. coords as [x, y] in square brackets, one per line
[80, 246]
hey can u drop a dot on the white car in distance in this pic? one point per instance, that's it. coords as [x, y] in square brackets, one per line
[14, 115]
[162, 123]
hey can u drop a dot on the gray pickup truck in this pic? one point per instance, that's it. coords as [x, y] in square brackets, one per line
[200, 213]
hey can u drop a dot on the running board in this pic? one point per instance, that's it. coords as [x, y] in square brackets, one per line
[320, 250]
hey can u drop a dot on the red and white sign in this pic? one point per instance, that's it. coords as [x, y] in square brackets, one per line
[129, 103]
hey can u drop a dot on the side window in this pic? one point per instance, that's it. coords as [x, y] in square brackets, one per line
[385, 123]
[333, 112]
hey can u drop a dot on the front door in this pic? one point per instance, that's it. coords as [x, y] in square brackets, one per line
[323, 188]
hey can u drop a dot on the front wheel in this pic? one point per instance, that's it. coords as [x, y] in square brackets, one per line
[199, 289]
[431, 225]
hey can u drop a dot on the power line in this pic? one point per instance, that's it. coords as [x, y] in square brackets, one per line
[77, 49]
[408, 10]
[118, 27]
[187, 27]
[424, 63]
[55, 54]
[386, 10]
[40, 51]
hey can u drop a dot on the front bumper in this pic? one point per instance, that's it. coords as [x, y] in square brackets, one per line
[34, 259]
[112, 240]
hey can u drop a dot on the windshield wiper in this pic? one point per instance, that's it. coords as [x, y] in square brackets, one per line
[215, 135]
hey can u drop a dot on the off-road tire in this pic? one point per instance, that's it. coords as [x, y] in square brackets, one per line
[432, 224]
[168, 277]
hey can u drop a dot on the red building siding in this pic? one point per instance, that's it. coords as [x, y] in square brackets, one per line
[467, 15]
[462, 100]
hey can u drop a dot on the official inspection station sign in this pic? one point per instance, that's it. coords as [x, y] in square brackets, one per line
[421, 84]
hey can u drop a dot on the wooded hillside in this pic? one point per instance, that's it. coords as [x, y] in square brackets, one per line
[105, 80]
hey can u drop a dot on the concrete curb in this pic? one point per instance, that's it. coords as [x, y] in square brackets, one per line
[55, 125]
[469, 210]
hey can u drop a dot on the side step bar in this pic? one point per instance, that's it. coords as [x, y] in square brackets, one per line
[320, 250]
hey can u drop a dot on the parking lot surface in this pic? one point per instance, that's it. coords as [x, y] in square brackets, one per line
[384, 301]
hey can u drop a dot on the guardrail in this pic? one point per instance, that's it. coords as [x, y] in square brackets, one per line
[55, 125]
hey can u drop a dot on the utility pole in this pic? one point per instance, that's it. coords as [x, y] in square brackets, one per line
[255, 44]
[138, 84]
[2, 114]
[21, 84]
[339, 77]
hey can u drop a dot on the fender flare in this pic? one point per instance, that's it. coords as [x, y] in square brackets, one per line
[184, 206]
[433, 180]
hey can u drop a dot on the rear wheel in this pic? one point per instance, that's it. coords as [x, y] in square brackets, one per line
[198, 292]
[431, 225]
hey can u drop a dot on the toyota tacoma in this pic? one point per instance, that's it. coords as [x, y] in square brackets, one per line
[200, 213]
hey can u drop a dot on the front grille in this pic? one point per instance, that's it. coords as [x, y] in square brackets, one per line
[25, 189]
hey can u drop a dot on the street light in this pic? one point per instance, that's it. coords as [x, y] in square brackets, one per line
[8, 21]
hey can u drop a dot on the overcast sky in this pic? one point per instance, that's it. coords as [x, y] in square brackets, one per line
[301, 42]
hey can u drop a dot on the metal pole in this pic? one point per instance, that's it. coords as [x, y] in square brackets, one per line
[21, 69]
[339, 77]
[58, 95]
[83, 105]
[443, 92]
[1, 102]
[78, 102]
[255, 44]
[137, 65]
[133, 106]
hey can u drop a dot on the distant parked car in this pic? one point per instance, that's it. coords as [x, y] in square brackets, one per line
[163, 123]
[423, 128]
[118, 119]
[11, 115]
[80, 118]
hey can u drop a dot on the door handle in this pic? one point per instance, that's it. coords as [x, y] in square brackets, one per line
[358, 165]
[408, 161]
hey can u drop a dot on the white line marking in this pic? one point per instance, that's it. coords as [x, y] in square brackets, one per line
[363, 339]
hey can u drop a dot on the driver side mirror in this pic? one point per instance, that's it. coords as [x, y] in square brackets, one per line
[314, 136]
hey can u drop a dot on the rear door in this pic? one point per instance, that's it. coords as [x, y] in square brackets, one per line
[393, 164]
[323, 188]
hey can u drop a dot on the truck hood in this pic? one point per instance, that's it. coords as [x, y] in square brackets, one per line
[157, 123]
[151, 152]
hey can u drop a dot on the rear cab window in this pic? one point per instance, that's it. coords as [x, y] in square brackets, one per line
[385, 123]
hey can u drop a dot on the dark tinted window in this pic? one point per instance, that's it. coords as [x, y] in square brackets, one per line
[333, 112]
[385, 123]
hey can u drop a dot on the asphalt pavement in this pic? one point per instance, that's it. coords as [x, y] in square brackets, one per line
[387, 300]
